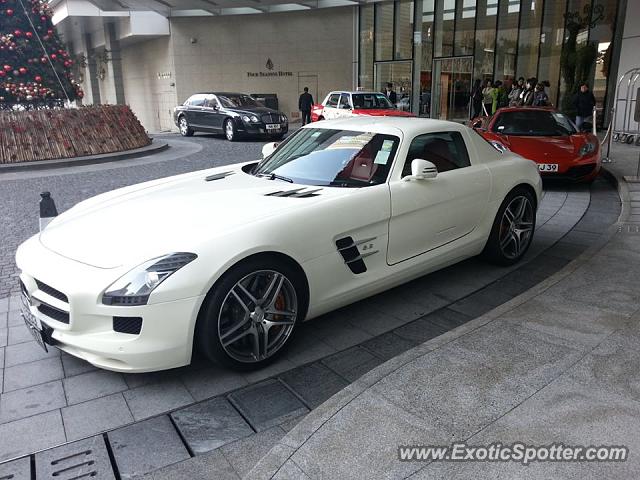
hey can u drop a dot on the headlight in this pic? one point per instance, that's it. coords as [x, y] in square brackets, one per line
[250, 119]
[283, 118]
[499, 146]
[246, 119]
[587, 148]
[135, 286]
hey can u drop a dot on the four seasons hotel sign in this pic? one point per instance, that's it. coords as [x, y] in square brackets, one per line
[270, 72]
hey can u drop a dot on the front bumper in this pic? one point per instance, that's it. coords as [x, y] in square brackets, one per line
[260, 129]
[65, 296]
[575, 173]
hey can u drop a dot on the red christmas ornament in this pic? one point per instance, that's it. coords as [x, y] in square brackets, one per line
[38, 78]
[22, 70]
[53, 56]
[3, 73]
[9, 12]
[50, 31]
[43, 60]
[8, 68]
[28, 34]
[17, 33]
[43, 18]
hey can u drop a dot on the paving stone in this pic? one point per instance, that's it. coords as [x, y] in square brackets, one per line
[84, 459]
[352, 363]
[150, 400]
[211, 381]
[34, 373]
[14, 319]
[419, 330]
[31, 434]
[4, 335]
[305, 347]
[211, 465]
[314, 382]
[74, 365]
[146, 446]
[290, 471]
[267, 404]
[4, 305]
[16, 470]
[88, 386]
[245, 453]
[27, 352]
[96, 416]
[31, 401]
[449, 319]
[388, 345]
[210, 424]
[335, 330]
[19, 334]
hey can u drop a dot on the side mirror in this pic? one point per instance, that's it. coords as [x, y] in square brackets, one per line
[422, 170]
[268, 149]
[476, 123]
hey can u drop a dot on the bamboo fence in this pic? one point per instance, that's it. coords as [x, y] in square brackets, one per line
[48, 134]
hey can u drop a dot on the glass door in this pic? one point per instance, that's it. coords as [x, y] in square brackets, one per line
[399, 75]
[451, 88]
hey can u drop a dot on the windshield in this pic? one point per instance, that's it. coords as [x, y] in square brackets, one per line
[370, 101]
[328, 157]
[237, 100]
[536, 123]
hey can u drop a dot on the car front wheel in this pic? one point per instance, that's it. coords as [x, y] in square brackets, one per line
[230, 130]
[249, 315]
[185, 130]
[513, 227]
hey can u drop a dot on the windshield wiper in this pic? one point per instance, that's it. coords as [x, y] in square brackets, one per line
[274, 176]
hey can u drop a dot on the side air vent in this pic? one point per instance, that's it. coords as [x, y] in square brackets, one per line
[131, 325]
[348, 248]
[295, 193]
[218, 176]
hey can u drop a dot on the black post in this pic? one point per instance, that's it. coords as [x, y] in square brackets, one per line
[48, 209]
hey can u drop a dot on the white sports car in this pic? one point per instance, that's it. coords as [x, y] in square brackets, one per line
[229, 260]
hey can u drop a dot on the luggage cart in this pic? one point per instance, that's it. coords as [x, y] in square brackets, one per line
[626, 113]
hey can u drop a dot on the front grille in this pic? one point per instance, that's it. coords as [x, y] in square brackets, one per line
[270, 118]
[53, 313]
[52, 291]
[131, 325]
[23, 289]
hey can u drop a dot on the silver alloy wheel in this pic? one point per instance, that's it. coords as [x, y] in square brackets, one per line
[257, 316]
[184, 127]
[228, 129]
[516, 227]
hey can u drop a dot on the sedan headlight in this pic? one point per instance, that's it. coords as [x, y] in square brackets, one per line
[283, 118]
[587, 148]
[135, 286]
[250, 119]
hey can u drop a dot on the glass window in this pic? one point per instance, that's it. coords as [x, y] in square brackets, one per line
[344, 101]
[577, 55]
[196, 100]
[529, 40]
[384, 31]
[428, 10]
[446, 150]
[403, 30]
[332, 101]
[445, 20]
[237, 100]
[331, 157]
[370, 101]
[365, 78]
[507, 43]
[465, 27]
[551, 45]
[487, 17]
[535, 123]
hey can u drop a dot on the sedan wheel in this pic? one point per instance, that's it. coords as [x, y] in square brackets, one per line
[250, 316]
[513, 228]
[185, 131]
[230, 130]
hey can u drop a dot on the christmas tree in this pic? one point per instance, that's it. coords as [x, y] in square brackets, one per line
[35, 68]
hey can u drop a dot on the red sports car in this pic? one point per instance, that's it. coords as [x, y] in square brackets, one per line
[545, 136]
[340, 104]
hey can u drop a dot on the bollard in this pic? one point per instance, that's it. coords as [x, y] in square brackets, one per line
[48, 210]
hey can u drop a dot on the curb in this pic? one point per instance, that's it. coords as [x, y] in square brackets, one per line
[87, 160]
[270, 464]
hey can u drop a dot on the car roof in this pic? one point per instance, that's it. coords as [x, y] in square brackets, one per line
[526, 109]
[219, 93]
[358, 91]
[408, 125]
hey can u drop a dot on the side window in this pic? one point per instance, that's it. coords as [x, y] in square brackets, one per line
[197, 100]
[344, 101]
[211, 102]
[333, 100]
[446, 150]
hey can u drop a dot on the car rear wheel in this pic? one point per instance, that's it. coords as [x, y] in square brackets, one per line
[250, 315]
[513, 228]
[230, 130]
[185, 130]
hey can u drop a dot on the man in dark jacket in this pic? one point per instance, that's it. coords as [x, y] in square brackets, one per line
[584, 101]
[304, 105]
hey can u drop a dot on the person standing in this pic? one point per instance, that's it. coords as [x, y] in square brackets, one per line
[390, 94]
[305, 103]
[487, 99]
[499, 97]
[540, 98]
[584, 101]
[527, 95]
[476, 99]
[514, 94]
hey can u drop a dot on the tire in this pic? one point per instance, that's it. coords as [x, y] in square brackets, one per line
[236, 325]
[513, 228]
[230, 131]
[630, 139]
[185, 130]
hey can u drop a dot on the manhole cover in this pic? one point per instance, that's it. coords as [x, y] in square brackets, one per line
[86, 459]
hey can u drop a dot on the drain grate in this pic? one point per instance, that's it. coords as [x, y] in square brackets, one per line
[86, 459]
[629, 229]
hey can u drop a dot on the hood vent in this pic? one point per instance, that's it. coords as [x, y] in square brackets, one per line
[296, 193]
[218, 176]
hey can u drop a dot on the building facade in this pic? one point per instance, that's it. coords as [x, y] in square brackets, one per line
[431, 50]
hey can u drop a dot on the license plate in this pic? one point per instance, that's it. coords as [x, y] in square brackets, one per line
[33, 324]
[548, 167]
[273, 127]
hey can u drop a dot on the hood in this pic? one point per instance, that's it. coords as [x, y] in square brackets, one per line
[544, 149]
[140, 222]
[382, 113]
[250, 110]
